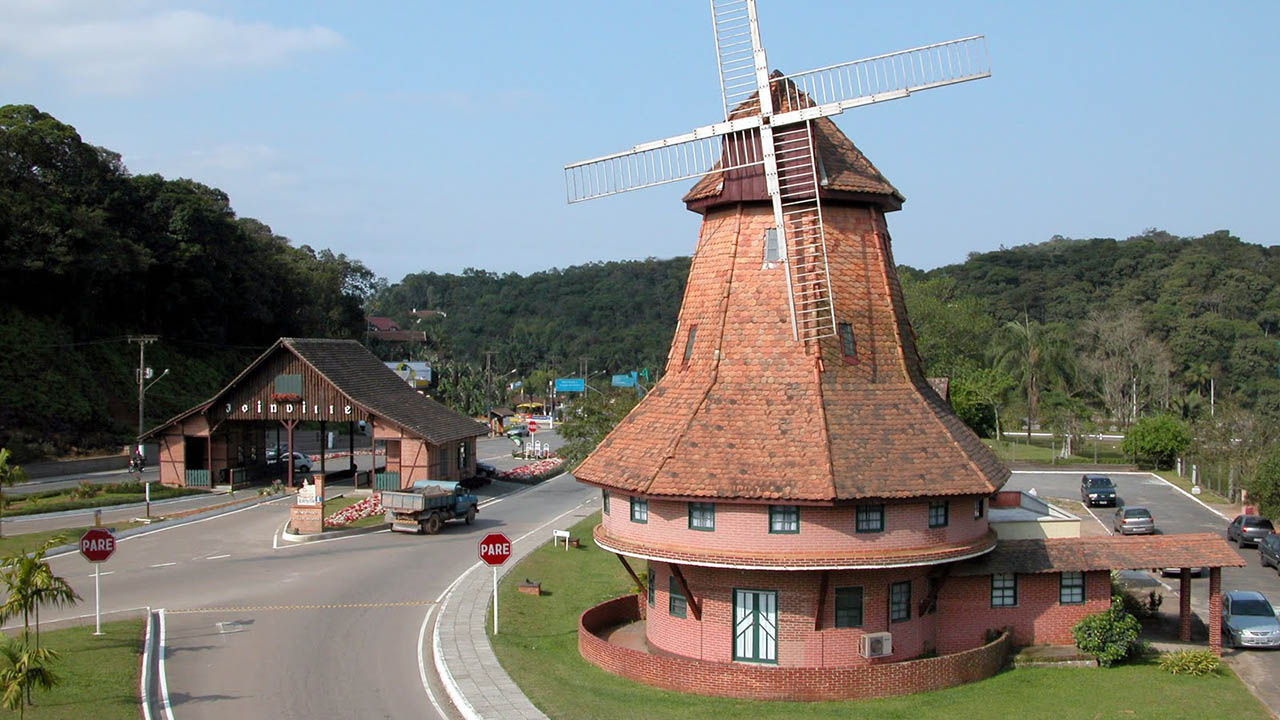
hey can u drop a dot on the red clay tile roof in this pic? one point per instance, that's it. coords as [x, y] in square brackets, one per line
[756, 415]
[818, 558]
[1104, 553]
[842, 166]
[383, 323]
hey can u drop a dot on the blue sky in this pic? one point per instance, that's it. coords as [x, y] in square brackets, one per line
[430, 136]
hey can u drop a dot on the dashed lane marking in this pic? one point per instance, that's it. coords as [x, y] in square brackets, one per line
[331, 606]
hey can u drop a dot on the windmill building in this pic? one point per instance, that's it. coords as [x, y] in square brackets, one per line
[814, 520]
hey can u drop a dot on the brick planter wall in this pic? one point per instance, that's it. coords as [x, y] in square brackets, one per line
[761, 682]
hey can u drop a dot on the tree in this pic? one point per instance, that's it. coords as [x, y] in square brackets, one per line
[589, 420]
[981, 390]
[1035, 355]
[1264, 486]
[22, 669]
[9, 476]
[29, 582]
[1157, 440]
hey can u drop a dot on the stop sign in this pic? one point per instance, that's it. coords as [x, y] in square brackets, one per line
[533, 426]
[97, 544]
[495, 549]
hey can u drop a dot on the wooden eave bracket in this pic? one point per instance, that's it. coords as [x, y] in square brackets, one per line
[694, 605]
[822, 599]
[636, 578]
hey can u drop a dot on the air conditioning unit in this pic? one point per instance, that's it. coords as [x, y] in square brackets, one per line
[877, 645]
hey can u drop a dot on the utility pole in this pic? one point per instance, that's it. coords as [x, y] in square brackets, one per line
[488, 377]
[1211, 392]
[584, 366]
[143, 341]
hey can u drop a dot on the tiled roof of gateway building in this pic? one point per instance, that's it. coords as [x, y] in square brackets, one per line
[1103, 553]
[365, 379]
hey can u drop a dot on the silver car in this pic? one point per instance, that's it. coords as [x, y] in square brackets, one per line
[1248, 620]
[1133, 521]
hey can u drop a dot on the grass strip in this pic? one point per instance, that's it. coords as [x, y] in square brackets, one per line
[26, 542]
[58, 501]
[99, 674]
[1206, 495]
[538, 647]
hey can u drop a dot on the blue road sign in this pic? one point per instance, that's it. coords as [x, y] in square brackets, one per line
[571, 385]
[624, 381]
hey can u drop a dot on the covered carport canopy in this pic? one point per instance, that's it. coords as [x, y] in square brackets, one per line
[1116, 552]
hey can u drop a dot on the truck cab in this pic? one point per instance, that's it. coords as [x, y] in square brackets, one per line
[425, 507]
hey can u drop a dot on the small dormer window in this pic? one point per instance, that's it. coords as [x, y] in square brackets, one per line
[847, 347]
[688, 343]
[772, 252]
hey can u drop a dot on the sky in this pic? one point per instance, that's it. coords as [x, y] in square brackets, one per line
[431, 136]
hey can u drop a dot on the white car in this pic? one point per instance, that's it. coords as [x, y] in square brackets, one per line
[301, 463]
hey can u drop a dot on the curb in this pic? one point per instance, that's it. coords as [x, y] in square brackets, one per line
[289, 537]
[164, 525]
[28, 517]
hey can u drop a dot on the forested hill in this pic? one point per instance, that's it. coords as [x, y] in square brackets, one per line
[618, 315]
[1146, 324]
[90, 254]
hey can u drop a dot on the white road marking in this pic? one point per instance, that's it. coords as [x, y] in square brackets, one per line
[105, 573]
[144, 685]
[495, 457]
[164, 680]
[160, 565]
[218, 557]
[442, 670]
[1193, 497]
[180, 525]
[422, 668]
[1095, 517]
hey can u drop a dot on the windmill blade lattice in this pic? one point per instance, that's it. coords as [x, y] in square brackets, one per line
[734, 23]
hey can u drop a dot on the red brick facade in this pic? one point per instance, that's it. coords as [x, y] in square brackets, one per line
[965, 613]
[767, 682]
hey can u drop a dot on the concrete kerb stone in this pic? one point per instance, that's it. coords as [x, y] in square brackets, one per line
[462, 624]
[291, 537]
[197, 517]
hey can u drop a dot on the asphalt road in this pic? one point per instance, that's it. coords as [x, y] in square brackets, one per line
[257, 628]
[1176, 513]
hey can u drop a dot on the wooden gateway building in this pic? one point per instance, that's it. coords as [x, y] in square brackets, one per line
[304, 380]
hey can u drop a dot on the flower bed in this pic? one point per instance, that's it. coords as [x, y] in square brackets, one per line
[367, 507]
[534, 472]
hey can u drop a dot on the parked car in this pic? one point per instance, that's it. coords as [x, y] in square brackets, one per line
[1176, 572]
[1249, 529]
[518, 431]
[1097, 490]
[1269, 551]
[485, 473]
[1248, 620]
[486, 470]
[301, 463]
[1133, 521]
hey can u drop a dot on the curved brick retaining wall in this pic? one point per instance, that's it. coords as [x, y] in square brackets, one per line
[766, 682]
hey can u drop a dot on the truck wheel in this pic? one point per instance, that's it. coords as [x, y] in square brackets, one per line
[471, 514]
[433, 523]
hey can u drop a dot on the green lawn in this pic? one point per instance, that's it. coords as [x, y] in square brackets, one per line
[1185, 483]
[99, 674]
[1042, 450]
[26, 542]
[538, 647]
[108, 495]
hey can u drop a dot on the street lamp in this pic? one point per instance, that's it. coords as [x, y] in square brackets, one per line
[142, 390]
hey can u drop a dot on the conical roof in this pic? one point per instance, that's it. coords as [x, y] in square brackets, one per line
[746, 412]
[844, 172]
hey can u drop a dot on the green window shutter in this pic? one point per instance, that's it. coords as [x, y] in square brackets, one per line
[848, 607]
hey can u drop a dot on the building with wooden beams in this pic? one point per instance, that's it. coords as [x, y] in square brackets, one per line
[300, 380]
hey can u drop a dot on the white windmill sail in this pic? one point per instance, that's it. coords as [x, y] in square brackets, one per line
[768, 123]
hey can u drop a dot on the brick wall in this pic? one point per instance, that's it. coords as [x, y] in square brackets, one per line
[761, 682]
[745, 527]
[799, 643]
[965, 613]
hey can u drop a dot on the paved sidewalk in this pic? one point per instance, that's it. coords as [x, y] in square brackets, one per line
[464, 659]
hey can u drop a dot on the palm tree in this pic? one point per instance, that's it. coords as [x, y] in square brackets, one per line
[22, 668]
[29, 582]
[9, 475]
[1035, 355]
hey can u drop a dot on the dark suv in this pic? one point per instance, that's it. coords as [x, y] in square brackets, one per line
[1269, 551]
[1097, 490]
[1249, 529]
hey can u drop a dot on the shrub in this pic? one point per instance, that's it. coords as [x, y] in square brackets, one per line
[1111, 635]
[1190, 662]
[1157, 440]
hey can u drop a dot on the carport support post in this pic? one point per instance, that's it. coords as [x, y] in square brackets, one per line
[351, 451]
[1215, 610]
[324, 446]
[1184, 604]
